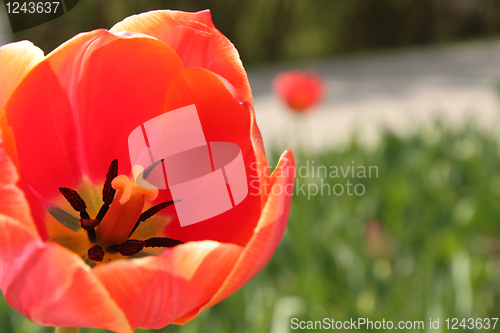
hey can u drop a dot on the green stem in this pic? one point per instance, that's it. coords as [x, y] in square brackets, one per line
[67, 330]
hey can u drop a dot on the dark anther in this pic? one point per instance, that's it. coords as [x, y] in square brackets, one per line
[161, 242]
[96, 253]
[150, 212]
[88, 224]
[150, 168]
[131, 247]
[153, 210]
[73, 198]
[108, 192]
[75, 201]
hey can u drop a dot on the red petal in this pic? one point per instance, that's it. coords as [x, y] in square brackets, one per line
[17, 198]
[260, 157]
[223, 119]
[72, 114]
[50, 285]
[13, 203]
[155, 291]
[43, 131]
[267, 235]
[196, 40]
[16, 59]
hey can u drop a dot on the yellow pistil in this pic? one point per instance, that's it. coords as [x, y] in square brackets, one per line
[126, 208]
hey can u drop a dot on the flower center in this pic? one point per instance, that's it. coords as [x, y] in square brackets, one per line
[120, 215]
[124, 212]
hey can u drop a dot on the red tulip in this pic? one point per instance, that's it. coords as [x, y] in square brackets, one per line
[65, 118]
[300, 90]
[379, 241]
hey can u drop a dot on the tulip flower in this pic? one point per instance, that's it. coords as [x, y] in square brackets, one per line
[300, 90]
[378, 241]
[81, 243]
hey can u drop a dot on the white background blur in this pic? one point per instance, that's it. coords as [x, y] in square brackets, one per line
[402, 90]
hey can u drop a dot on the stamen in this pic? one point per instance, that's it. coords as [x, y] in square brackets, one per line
[153, 210]
[95, 253]
[131, 247]
[162, 242]
[108, 192]
[75, 201]
[123, 200]
[102, 212]
[88, 224]
[150, 212]
[124, 212]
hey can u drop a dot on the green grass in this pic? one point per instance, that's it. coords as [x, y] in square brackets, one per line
[423, 241]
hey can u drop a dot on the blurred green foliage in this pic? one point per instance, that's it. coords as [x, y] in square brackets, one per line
[423, 241]
[276, 30]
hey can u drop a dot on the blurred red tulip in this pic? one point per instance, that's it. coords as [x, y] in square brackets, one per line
[66, 117]
[378, 241]
[300, 90]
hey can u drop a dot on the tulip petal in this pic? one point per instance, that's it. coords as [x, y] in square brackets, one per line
[45, 145]
[122, 92]
[13, 203]
[18, 201]
[50, 285]
[68, 113]
[196, 40]
[260, 157]
[16, 59]
[224, 119]
[154, 291]
[267, 235]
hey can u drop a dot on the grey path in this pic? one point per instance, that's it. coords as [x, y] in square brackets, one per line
[402, 90]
